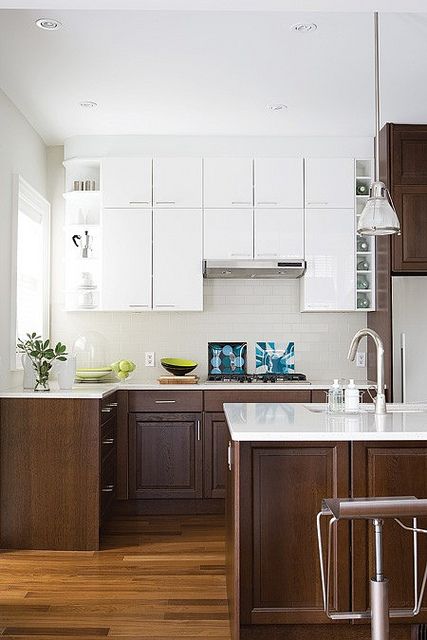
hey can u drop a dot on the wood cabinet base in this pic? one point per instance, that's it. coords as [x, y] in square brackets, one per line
[320, 632]
[168, 507]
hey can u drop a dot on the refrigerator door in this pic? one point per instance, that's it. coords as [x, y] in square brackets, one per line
[409, 338]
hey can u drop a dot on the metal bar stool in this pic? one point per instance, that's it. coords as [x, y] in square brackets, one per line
[376, 510]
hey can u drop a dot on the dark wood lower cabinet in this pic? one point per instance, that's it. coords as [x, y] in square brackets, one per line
[388, 469]
[165, 455]
[281, 489]
[215, 436]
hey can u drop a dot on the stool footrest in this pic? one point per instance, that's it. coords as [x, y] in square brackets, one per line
[366, 615]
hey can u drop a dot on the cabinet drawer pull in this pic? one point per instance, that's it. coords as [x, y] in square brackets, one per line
[317, 202]
[165, 306]
[108, 489]
[139, 202]
[113, 404]
[106, 410]
[165, 201]
[144, 306]
[265, 255]
[240, 255]
[229, 456]
[249, 204]
[198, 430]
[165, 401]
[263, 202]
[108, 441]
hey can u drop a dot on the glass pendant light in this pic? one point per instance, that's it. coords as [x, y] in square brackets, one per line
[379, 217]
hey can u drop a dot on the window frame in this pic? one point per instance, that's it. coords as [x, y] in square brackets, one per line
[23, 192]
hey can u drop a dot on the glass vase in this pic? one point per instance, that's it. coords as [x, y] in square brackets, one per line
[42, 380]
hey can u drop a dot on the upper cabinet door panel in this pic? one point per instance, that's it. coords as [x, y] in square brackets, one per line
[177, 260]
[228, 182]
[126, 182]
[329, 281]
[410, 248]
[126, 259]
[409, 144]
[177, 182]
[279, 182]
[329, 183]
[279, 233]
[228, 234]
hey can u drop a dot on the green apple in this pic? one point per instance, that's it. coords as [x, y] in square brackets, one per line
[116, 366]
[122, 375]
[125, 365]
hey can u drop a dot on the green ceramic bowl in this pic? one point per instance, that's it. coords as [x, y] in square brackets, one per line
[178, 366]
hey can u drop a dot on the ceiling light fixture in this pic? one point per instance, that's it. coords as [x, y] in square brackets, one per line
[304, 27]
[278, 106]
[48, 24]
[88, 104]
[379, 217]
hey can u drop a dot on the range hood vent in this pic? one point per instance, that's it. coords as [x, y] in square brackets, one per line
[253, 269]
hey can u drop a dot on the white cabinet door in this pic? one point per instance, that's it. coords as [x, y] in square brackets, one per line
[126, 182]
[329, 281]
[329, 183]
[228, 233]
[177, 182]
[228, 182]
[279, 233]
[126, 259]
[279, 182]
[177, 260]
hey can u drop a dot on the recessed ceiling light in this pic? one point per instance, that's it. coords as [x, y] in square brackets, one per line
[48, 24]
[88, 104]
[277, 106]
[304, 27]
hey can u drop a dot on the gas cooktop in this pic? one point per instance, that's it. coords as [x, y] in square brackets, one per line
[267, 378]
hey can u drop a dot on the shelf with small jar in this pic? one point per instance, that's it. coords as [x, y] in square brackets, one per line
[365, 245]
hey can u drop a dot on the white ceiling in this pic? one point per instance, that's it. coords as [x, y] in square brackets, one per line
[210, 73]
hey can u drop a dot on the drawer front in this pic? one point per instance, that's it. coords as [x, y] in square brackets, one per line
[108, 437]
[165, 401]
[108, 407]
[214, 400]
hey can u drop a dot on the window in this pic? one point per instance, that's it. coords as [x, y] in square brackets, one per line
[30, 265]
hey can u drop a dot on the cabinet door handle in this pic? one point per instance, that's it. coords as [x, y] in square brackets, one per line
[199, 436]
[165, 201]
[165, 401]
[229, 456]
[108, 441]
[139, 202]
[265, 255]
[264, 202]
[165, 306]
[113, 404]
[317, 202]
[106, 410]
[240, 255]
[249, 204]
[108, 489]
[145, 306]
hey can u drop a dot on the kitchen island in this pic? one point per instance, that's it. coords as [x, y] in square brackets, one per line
[283, 459]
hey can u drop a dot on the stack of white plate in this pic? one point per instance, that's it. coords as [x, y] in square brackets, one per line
[96, 374]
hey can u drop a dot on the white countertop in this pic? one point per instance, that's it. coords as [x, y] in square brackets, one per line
[101, 390]
[300, 422]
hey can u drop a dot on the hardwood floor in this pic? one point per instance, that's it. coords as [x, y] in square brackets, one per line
[155, 577]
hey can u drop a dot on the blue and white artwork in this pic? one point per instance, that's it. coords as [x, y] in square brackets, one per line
[227, 357]
[275, 357]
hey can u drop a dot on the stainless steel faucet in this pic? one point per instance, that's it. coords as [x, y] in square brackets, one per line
[380, 403]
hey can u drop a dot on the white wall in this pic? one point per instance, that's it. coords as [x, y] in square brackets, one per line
[21, 151]
[245, 310]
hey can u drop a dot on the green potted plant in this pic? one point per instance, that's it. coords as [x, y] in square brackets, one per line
[42, 357]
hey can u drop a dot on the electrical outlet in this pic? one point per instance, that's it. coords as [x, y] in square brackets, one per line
[360, 359]
[150, 358]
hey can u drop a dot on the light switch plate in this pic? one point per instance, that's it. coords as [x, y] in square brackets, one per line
[360, 359]
[150, 358]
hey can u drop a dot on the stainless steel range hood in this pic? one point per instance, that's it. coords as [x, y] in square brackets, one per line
[253, 269]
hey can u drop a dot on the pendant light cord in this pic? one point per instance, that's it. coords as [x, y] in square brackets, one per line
[377, 97]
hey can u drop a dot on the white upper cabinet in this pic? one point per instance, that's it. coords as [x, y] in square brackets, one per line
[177, 260]
[279, 233]
[177, 182]
[126, 182]
[279, 182]
[329, 183]
[126, 259]
[329, 281]
[228, 182]
[228, 234]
